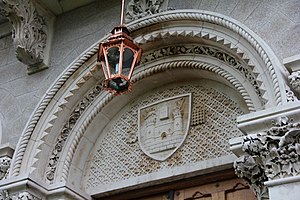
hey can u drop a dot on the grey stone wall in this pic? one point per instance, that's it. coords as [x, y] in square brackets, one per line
[275, 21]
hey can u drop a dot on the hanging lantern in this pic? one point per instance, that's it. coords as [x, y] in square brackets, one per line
[118, 57]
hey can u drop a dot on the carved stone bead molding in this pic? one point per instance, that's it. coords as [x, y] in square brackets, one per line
[137, 9]
[29, 32]
[4, 195]
[294, 79]
[4, 167]
[276, 152]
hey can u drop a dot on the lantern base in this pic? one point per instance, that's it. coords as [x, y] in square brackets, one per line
[118, 85]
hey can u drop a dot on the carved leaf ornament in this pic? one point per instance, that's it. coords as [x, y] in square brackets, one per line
[29, 32]
[273, 154]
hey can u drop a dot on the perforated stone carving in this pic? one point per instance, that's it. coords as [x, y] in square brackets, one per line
[137, 9]
[29, 32]
[163, 126]
[115, 159]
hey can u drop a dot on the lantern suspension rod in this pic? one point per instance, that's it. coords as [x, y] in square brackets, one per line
[122, 12]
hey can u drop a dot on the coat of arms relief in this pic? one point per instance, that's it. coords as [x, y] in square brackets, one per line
[163, 126]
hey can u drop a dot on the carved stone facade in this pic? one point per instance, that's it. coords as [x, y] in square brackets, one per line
[4, 195]
[294, 79]
[29, 32]
[137, 9]
[4, 167]
[230, 60]
[164, 125]
[273, 154]
[206, 138]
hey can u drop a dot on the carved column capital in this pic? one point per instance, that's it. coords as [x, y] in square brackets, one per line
[29, 32]
[270, 155]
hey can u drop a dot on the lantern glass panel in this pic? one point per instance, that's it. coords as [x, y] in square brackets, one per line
[128, 57]
[113, 57]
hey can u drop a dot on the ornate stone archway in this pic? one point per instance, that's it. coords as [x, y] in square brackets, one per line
[52, 143]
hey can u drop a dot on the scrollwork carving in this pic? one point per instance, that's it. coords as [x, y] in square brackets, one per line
[29, 32]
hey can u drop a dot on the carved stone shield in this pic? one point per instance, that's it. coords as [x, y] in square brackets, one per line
[163, 126]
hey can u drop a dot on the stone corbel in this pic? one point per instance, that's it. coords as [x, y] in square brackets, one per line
[29, 33]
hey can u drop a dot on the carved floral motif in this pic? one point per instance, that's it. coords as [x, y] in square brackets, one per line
[29, 32]
[207, 51]
[4, 167]
[276, 152]
[79, 109]
[137, 9]
[4, 195]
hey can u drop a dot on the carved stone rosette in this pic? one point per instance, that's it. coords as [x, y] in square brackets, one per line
[271, 155]
[29, 32]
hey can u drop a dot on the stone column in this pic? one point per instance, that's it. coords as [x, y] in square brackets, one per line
[269, 159]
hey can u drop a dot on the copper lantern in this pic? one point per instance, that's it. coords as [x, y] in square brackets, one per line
[118, 57]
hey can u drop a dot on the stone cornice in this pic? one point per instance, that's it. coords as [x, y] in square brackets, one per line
[29, 32]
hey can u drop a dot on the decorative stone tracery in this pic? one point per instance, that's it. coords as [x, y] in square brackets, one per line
[29, 32]
[206, 139]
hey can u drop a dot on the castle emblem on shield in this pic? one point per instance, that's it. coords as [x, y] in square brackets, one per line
[164, 125]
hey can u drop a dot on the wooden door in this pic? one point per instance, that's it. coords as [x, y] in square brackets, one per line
[233, 189]
[222, 185]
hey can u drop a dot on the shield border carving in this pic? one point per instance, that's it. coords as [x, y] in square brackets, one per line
[189, 95]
